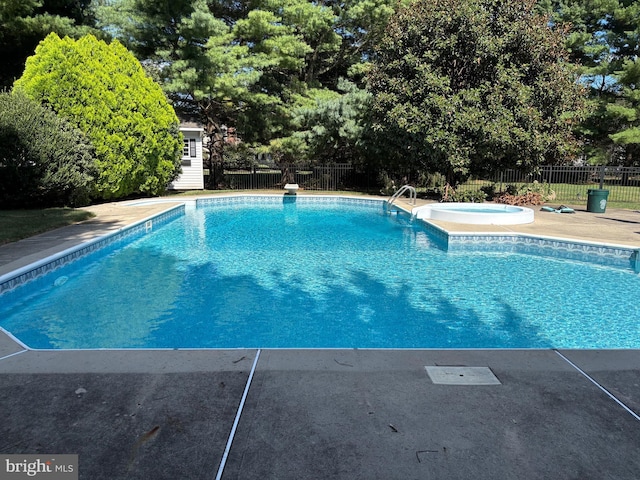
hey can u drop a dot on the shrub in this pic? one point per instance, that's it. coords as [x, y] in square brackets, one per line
[388, 184]
[530, 198]
[530, 194]
[44, 160]
[103, 90]
[489, 191]
[449, 194]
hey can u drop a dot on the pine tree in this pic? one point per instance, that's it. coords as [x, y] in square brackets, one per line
[251, 66]
[604, 39]
[24, 23]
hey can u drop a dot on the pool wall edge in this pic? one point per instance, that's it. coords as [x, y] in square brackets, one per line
[41, 267]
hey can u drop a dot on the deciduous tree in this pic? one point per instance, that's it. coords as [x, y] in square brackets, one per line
[466, 87]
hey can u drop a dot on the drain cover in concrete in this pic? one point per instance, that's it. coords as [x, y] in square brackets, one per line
[462, 375]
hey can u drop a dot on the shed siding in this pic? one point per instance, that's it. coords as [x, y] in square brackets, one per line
[191, 177]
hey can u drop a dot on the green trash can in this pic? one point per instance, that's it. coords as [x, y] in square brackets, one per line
[597, 200]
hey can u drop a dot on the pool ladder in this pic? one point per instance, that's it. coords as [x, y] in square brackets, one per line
[402, 190]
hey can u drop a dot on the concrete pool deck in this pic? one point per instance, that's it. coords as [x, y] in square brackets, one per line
[316, 414]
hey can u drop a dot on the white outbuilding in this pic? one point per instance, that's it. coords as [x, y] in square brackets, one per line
[192, 177]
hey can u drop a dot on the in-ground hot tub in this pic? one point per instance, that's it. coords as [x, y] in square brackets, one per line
[475, 213]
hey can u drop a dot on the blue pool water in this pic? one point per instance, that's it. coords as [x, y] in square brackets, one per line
[297, 275]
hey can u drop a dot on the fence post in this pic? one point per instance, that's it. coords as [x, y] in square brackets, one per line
[602, 169]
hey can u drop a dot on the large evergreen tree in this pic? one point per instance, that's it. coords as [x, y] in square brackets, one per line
[255, 66]
[24, 23]
[604, 38]
[239, 69]
[467, 87]
[102, 89]
[330, 127]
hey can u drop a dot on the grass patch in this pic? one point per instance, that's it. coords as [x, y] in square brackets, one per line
[620, 196]
[18, 224]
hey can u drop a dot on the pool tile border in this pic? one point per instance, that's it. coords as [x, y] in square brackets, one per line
[550, 247]
[289, 199]
[36, 270]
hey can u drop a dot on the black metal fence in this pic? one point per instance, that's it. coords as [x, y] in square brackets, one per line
[331, 177]
[568, 184]
[571, 183]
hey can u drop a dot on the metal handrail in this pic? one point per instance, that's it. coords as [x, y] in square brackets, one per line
[412, 195]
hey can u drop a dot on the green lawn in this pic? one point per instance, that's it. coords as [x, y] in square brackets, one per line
[18, 224]
[627, 197]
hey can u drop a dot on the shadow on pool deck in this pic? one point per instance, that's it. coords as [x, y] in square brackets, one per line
[328, 414]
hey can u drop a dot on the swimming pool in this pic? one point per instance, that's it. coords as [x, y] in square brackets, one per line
[322, 272]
